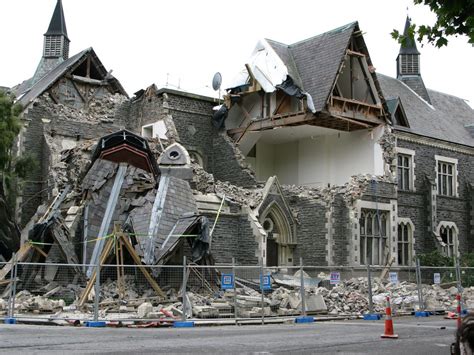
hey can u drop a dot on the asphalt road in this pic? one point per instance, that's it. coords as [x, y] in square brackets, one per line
[431, 335]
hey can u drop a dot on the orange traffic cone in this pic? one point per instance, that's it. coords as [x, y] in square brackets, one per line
[388, 333]
[451, 315]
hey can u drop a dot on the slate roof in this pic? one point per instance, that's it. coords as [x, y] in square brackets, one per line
[57, 26]
[415, 82]
[447, 118]
[314, 62]
[410, 45]
[54, 75]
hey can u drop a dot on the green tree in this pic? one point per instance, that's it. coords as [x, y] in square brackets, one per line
[454, 17]
[11, 167]
[9, 129]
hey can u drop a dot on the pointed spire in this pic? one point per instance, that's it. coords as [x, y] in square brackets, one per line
[408, 65]
[409, 47]
[57, 26]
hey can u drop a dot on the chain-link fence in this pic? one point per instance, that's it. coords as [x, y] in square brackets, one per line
[163, 294]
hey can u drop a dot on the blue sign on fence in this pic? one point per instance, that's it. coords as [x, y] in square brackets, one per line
[227, 281]
[393, 276]
[335, 278]
[265, 282]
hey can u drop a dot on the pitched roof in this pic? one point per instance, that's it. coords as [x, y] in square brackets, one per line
[447, 118]
[54, 75]
[57, 26]
[314, 62]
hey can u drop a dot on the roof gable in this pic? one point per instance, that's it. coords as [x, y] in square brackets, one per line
[318, 60]
[68, 66]
[315, 63]
[397, 112]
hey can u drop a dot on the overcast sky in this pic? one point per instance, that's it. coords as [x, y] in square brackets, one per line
[183, 43]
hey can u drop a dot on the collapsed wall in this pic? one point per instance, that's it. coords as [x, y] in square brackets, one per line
[51, 127]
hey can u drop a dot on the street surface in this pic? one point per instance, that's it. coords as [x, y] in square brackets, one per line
[431, 335]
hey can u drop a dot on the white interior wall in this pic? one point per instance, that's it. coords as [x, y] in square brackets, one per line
[286, 161]
[321, 160]
[264, 163]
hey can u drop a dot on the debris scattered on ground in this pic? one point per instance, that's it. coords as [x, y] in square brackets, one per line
[137, 301]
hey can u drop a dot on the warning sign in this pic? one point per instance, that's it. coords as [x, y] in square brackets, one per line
[227, 281]
[393, 276]
[335, 278]
[437, 278]
[265, 282]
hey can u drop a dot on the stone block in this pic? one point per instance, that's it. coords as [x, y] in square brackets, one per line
[144, 309]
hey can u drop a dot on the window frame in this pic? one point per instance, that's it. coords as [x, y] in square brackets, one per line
[405, 224]
[156, 132]
[446, 161]
[410, 154]
[447, 246]
[376, 237]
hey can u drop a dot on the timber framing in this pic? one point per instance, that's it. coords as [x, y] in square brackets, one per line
[322, 119]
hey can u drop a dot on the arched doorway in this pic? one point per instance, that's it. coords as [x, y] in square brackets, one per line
[280, 245]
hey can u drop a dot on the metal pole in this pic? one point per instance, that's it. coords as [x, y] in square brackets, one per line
[458, 275]
[97, 290]
[261, 290]
[302, 290]
[369, 286]
[183, 289]
[86, 232]
[11, 301]
[421, 304]
[235, 291]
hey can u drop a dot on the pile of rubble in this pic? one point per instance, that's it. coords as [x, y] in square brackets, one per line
[72, 163]
[133, 300]
[351, 296]
[351, 191]
[206, 183]
[101, 109]
[388, 142]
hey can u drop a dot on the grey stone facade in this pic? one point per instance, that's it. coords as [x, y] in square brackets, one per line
[416, 205]
[191, 126]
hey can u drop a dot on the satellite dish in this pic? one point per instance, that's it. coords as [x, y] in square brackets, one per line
[217, 81]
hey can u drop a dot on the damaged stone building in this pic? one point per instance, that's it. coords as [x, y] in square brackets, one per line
[311, 154]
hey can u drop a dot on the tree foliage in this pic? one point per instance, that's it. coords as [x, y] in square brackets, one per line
[435, 258]
[11, 167]
[9, 129]
[454, 17]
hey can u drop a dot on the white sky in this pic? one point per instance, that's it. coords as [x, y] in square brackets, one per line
[148, 41]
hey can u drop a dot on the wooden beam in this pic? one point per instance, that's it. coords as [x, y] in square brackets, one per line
[91, 282]
[88, 70]
[20, 254]
[78, 91]
[144, 271]
[272, 122]
[51, 95]
[356, 122]
[39, 250]
[354, 53]
[84, 80]
[246, 122]
[355, 102]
